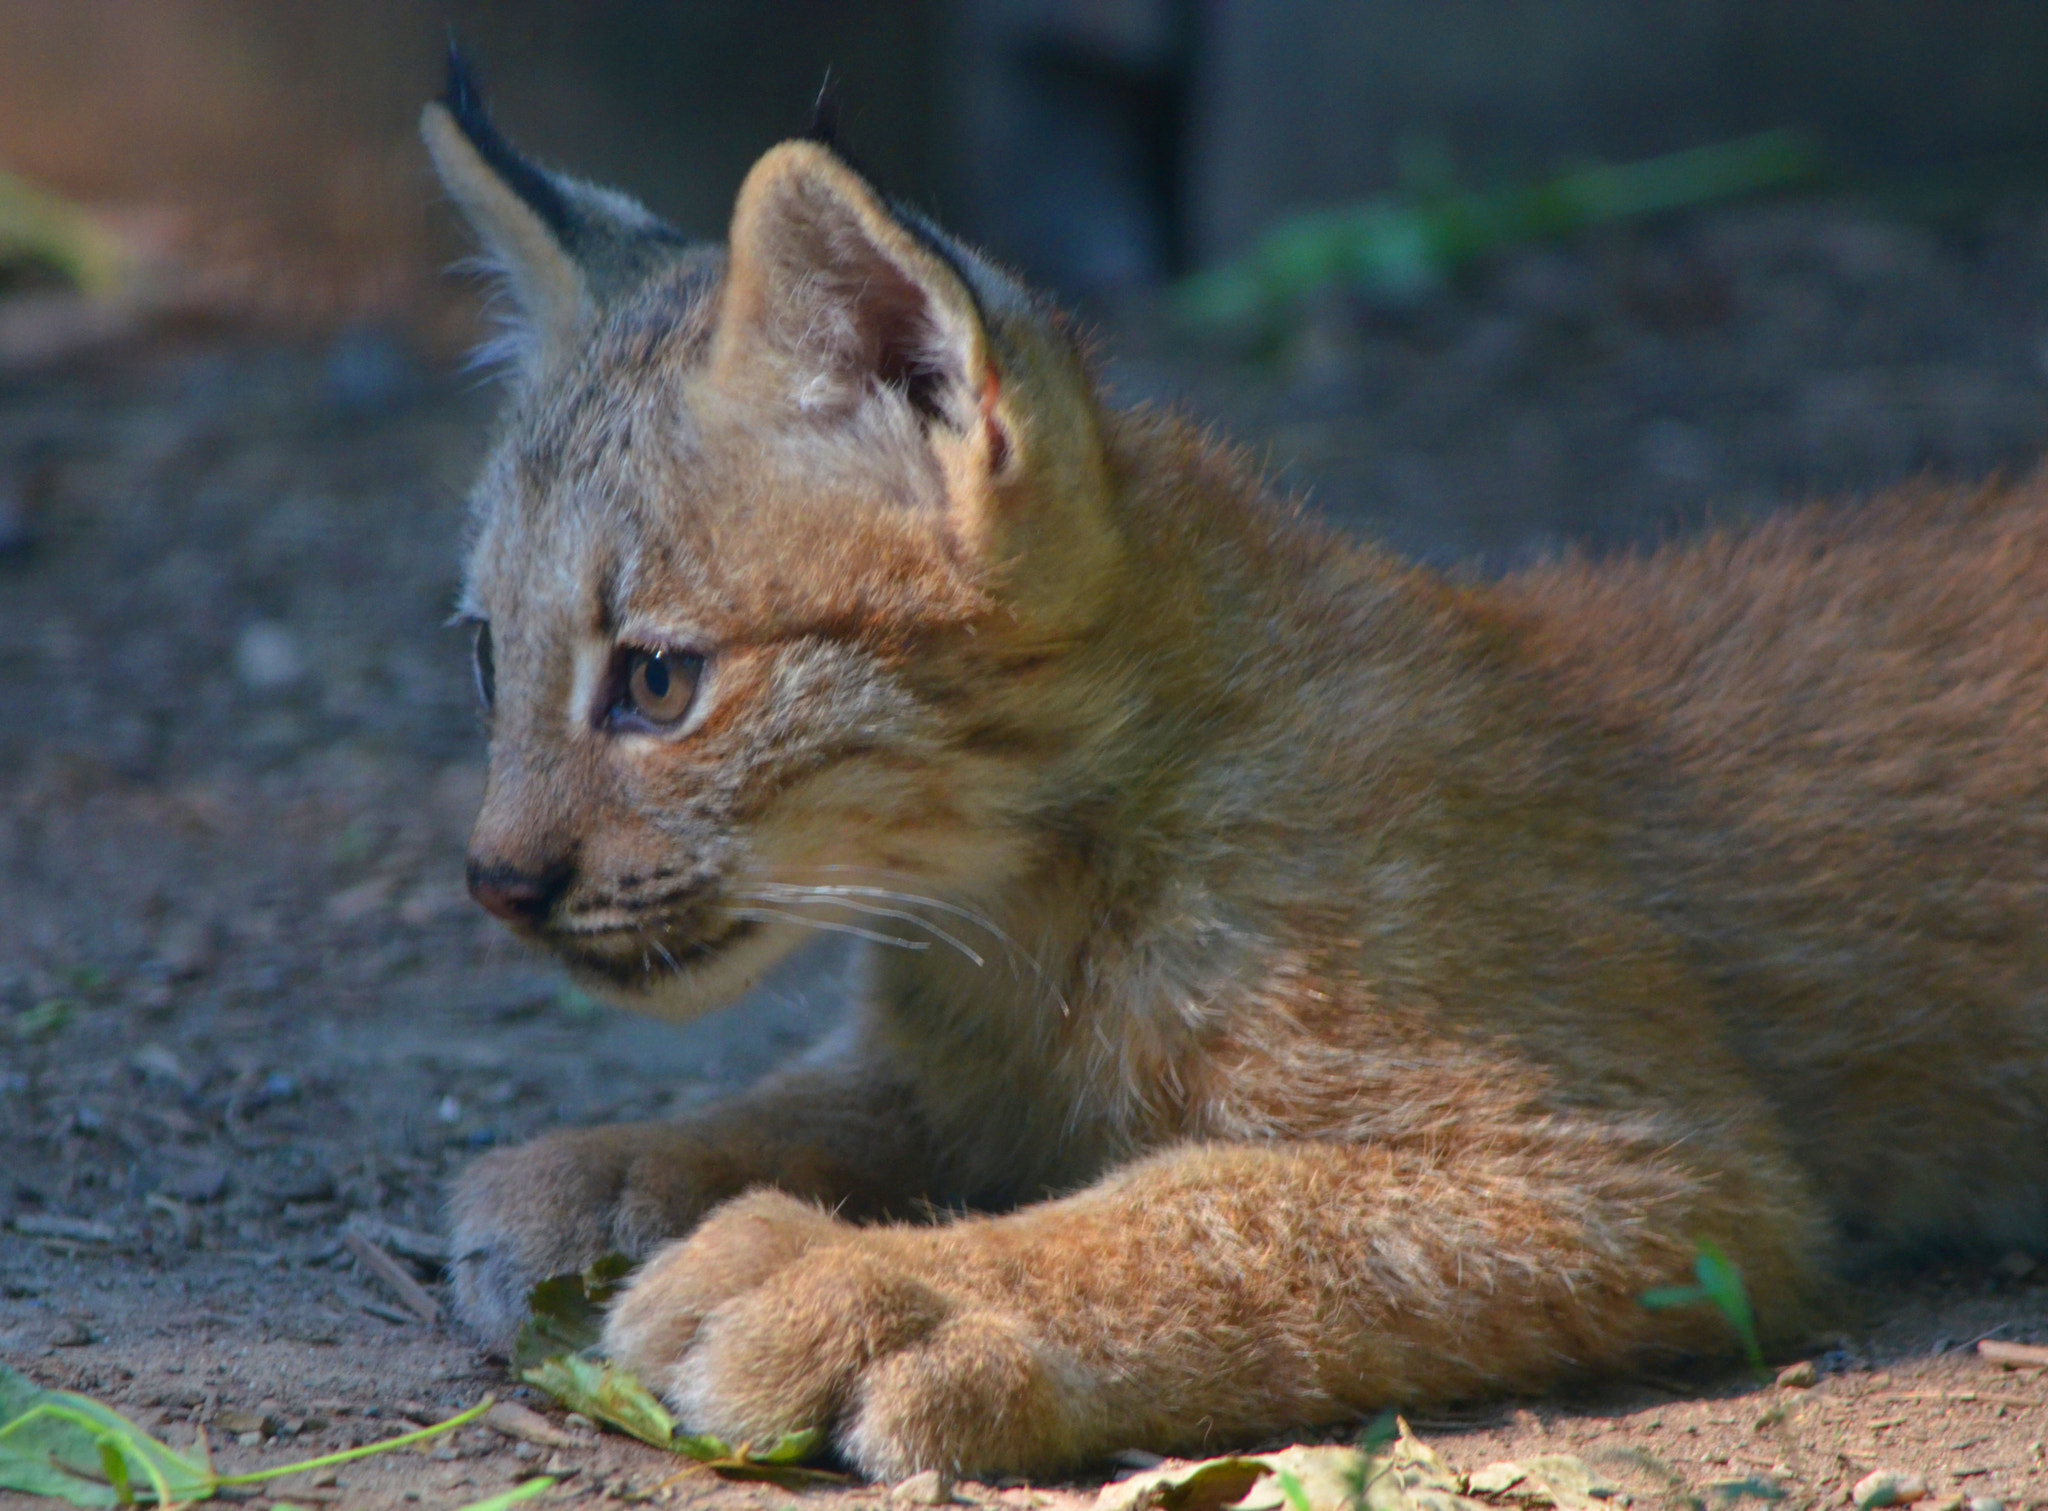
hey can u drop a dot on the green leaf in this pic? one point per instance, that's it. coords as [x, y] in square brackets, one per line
[116, 1468]
[60, 1444]
[1722, 1283]
[565, 1313]
[37, 227]
[42, 1020]
[1720, 1286]
[1402, 246]
[794, 1447]
[1207, 1486]
[604, 1394]
[778, 1464]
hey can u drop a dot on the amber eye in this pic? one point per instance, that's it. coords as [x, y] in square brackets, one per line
[486, 668]
[661, 685]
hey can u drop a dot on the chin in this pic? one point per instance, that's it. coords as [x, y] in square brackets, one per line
[691, 984]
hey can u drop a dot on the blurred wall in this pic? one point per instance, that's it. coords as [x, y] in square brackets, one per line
[1095, 142]
[277, 144]
[1297, 102]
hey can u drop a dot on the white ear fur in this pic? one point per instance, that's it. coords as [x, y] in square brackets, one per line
[839, 296]
[551, 293]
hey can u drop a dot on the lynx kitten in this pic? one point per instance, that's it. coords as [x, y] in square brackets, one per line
[1301, 984]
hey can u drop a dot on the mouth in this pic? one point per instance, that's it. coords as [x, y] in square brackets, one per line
[635, 957]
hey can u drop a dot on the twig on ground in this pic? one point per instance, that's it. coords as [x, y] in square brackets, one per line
[392, 1273]
[2013, 1355]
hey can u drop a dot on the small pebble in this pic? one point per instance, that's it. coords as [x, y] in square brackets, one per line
[931, 1488]
[242, 1423]
[1887, 1487]
[267, 657]
[2016, 1265]
[186, 948]
[72, 1334]
[201, 1181]
[1800, 1376]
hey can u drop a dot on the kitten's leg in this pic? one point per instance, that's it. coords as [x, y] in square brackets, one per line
[1200, 1296]
[846, 1136]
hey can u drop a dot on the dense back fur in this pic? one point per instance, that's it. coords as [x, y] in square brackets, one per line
[1693, 896]
[1845, 711]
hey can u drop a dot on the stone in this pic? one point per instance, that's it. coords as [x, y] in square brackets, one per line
[1800, 1376]
[931, 1488]
[56, 1225]
[2016, 1265]
[71, 1334]
[268, 658]
[528, 1426]
[200, 1180]
[1887, 1487]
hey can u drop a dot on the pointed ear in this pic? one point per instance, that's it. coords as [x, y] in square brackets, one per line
[831, 297]
[562, 246]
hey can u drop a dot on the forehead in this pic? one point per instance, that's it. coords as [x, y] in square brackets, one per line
[630, 490]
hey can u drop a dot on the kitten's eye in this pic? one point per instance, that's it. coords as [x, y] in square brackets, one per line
[661, 685]
[486, 668]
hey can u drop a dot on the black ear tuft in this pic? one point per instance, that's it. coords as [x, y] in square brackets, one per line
[824, 126]
[465, 103]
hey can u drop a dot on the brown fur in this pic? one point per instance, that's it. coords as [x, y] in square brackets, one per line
[1340, 988]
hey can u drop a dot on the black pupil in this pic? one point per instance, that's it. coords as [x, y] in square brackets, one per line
[486, 667]
[654, 672]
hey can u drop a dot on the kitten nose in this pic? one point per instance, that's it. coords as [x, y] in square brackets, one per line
[518, 897]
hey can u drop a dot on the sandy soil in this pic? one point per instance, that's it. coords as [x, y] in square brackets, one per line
[245, 1009]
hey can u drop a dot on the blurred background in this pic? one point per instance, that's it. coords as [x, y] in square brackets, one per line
[1482, 278]
[1858, 307]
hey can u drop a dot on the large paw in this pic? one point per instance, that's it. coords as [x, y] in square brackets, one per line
[774, 1317]
[555, 1205]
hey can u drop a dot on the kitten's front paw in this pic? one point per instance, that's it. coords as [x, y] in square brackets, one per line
[559, 1203]
[773, 1318]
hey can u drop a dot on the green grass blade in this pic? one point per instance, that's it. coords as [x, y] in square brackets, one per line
[1670, 1297]
[525, 1490]
[1722, 1282]
[1292, 1488]
[349, 1455]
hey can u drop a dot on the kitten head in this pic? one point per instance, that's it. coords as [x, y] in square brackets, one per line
[773, 568]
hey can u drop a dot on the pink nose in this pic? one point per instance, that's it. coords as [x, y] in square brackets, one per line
[521, 898]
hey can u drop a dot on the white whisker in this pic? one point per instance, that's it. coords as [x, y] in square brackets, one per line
[836, 897]
[843, 894]
[659, 949]
[917, 899]
[776, 915]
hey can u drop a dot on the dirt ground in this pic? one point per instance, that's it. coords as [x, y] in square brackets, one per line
[245, 1008]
